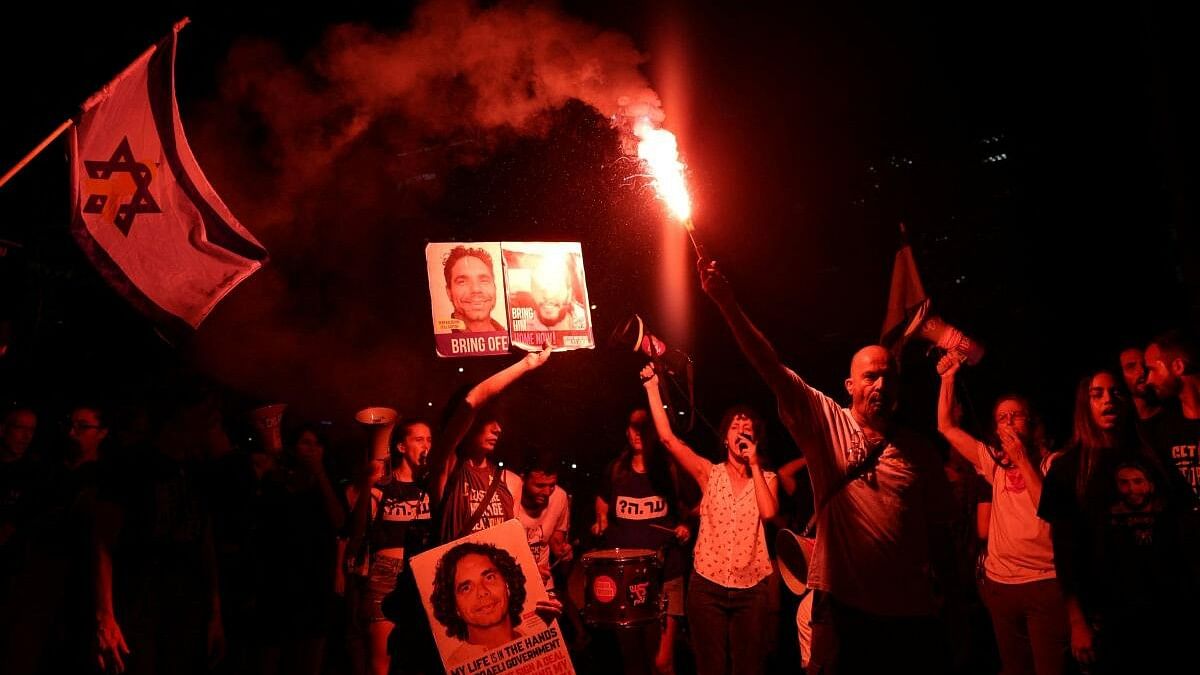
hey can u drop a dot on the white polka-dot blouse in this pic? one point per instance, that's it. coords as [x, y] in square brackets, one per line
[731, 549]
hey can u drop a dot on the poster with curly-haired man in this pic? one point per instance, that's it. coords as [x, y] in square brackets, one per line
[487, 606]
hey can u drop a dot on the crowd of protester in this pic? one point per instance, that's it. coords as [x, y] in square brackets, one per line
[143, 539]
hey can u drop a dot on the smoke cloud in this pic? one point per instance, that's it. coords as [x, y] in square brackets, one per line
[504, 122]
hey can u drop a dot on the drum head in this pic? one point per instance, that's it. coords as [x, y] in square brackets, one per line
[619, 554]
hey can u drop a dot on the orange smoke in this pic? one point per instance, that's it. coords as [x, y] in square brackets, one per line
[458, 69]
[336, 161]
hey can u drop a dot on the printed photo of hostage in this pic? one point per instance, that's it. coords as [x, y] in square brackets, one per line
[467, 297]
[547, 295]
[487, 606]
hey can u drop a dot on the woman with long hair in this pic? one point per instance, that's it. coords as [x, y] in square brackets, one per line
[472, 491]
[1094, 540]
[728, 597]
[394, 524]
[638, 507]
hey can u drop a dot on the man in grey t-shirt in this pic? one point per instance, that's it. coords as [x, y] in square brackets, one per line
[880, 535]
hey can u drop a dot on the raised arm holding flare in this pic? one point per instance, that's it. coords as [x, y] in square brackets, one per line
[883, 504]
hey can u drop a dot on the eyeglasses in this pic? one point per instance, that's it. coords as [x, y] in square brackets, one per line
[82, 426]
[1011, 417]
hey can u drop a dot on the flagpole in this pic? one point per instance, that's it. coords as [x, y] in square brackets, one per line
[62, 128]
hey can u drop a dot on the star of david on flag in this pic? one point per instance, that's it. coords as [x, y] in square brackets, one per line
[142, 210]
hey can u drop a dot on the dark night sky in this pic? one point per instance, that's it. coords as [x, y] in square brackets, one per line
[809, 133]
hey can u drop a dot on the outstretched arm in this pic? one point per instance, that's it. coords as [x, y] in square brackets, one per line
[442, 457]
[963, 443]
[694, 464]
[489, 388]
[968, 446]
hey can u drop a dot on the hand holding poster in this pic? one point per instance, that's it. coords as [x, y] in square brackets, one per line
[481, 593]
[547, 295]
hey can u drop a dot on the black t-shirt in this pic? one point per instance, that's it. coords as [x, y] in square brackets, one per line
[274, 539]
[17, 480]
[1176, 441]
[1144, 561]
[1074, 522]
[232, 493]
[1059, 500]
[164, 515]
[402, 518]
[636, 511]
[1096, 549]
[295, 537]
[61, 524]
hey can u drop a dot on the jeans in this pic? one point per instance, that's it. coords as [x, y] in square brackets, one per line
[1030, 621]
[381, 581]
[848, 641]
[730, 631]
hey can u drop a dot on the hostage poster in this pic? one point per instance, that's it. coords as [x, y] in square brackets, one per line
[547, 295]
[470, 317]
[479, 594]
[487, 296]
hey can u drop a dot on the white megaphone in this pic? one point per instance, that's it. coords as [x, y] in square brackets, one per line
[673, 366]
[792, 552]
[944, 336]
[379, 421]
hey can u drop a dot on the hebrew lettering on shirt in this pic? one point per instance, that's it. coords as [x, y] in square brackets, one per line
[395, 510]
[641, 508]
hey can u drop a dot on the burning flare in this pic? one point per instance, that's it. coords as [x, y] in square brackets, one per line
[660, 153]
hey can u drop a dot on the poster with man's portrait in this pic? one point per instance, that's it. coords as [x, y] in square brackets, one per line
[547, 295]
[466, 289]
[480, 593]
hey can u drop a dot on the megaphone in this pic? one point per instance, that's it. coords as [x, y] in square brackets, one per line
[674, 367]
[792, 552]
[379, 421]
[944, 336]
[266, 422]
[631, 335]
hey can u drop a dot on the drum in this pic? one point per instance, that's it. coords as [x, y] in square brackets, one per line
[623, 587]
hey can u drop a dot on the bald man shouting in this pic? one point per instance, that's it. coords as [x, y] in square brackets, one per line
[882, 508]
